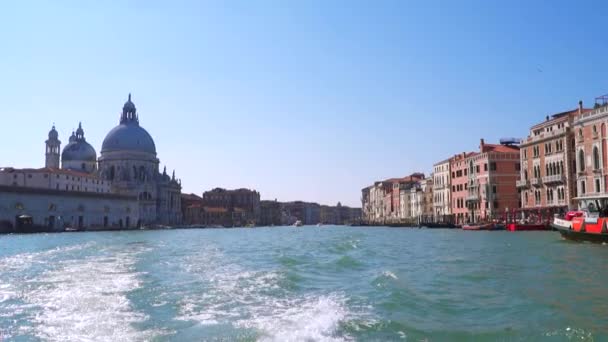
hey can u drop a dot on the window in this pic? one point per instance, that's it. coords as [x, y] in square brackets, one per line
[495, 204]
[597, 185]
[581, 161]
[477, 168]
[493, 189]
[583, 187]
[596, 158]
[517, 167]
[493, 166]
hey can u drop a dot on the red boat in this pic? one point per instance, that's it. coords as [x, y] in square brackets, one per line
[590, 225]
[529, 219]
[517, 227]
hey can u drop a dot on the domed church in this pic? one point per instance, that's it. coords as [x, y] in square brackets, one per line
[128, 159]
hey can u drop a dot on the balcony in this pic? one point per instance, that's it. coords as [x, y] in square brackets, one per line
[545, 135]
[555, 179]
[536, 182]
[472, 198]
[522, 183]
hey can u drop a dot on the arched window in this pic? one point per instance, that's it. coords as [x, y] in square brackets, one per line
[83, 166]
[594, 130]
[471, 169]
[561, 167]
[583, 188]
[581, 161]
[596, 158]
[580, 133]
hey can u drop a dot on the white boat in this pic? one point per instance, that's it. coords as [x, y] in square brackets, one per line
[298, 223]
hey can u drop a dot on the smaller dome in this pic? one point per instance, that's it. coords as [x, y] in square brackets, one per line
[78, 151]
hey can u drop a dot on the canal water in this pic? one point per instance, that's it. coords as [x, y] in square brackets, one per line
[302, 284]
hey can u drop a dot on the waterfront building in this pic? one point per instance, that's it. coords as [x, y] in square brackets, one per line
[55, 210]
[421, 200]
[591, 159]
[55, 199]
[547, 179]
[405, 199]
[245, 200]
[459, 186]
[222, 207]
[442, 209]
[128, 159]
[306, 212]
[339, 214]
[492, 175]
[386, 201]
[270, 213]
[125, 180]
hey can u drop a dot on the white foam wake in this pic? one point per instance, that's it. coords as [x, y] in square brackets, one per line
[257, 300]
[86, 300]
[307, 319]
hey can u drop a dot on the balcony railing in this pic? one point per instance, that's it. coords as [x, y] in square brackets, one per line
[472, 197]
[545, 135]
[535, 181]
[522, 183]
[553, 179]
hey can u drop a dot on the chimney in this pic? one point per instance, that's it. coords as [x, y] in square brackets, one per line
[482, 143]
[580, 107]
[547, 118]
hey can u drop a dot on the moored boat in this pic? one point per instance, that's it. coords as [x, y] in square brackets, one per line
[439, 225]
[516, 227]
[483, 226]
[588, 225]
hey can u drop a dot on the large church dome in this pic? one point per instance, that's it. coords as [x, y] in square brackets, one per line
[129, 135]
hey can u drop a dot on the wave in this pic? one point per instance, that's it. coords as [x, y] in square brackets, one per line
[264, 303]
[83, 299]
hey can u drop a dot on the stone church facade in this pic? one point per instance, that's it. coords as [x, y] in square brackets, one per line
[122, 188]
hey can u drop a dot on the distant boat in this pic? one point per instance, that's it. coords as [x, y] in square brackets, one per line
[483, 226]
[298, 223]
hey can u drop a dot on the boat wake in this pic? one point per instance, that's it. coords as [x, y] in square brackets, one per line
[262, 302]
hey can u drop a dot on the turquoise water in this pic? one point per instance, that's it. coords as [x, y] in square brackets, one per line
[302, 284]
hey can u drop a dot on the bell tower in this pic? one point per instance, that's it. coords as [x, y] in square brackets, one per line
[52, 149]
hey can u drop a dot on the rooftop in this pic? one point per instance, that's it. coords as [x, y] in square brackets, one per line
[48, 170]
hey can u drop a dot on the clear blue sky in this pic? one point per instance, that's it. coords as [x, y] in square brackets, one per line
[308, 100]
